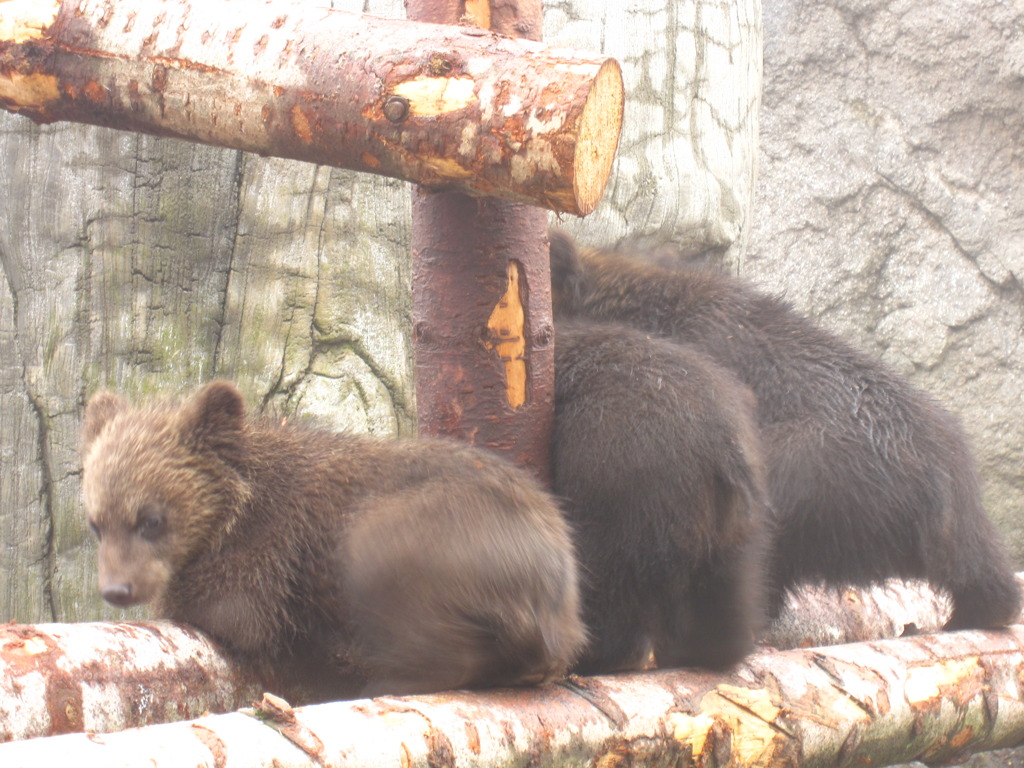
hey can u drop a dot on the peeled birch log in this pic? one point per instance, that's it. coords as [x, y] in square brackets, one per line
[59, 678]
[933, 698]
[829, 616]
[64, 678]
[447, 107]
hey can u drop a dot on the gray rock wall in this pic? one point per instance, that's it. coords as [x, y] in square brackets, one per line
[685, 169]
[890, 200]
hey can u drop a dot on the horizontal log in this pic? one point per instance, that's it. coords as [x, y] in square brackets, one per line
[827, 616]
[59, 678]
[934, 698]
[447, 107]
[64, 678]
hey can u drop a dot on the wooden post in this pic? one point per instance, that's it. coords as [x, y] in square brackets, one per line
[482, 324]
[456, 108]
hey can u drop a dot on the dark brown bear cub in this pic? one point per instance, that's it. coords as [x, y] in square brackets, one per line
[657, 457]
[346, 564]
[869, 479]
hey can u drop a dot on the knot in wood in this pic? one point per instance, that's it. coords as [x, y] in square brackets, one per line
[543, 336]
[438, 66]
[396, 108]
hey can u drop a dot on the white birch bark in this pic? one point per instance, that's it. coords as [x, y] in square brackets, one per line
[97, 678]
[934, 698]
[57, 678]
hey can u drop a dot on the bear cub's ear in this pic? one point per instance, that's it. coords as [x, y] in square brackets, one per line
[101, 408]
[566, 272]
[214, 419]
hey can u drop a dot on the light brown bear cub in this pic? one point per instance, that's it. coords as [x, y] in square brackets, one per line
[336, 564]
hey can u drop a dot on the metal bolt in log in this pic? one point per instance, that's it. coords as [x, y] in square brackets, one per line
[487, 115]
[396, 108]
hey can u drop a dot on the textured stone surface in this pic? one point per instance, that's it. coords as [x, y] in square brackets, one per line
[890, 200]
[692, 70]
[151, 265]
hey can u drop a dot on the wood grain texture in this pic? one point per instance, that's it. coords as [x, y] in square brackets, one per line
[935, 698]
[147, 265]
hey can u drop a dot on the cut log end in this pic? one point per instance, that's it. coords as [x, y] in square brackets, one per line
[23, 20]
[600, 124]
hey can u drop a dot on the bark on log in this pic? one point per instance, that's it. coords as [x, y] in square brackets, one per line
[482, 321]
[482, 324]
[826, 616]
[58, 678]
[933, 698]
[444, 107]
[67, 678]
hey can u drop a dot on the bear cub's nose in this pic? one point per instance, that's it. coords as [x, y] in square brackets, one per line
[118, 594]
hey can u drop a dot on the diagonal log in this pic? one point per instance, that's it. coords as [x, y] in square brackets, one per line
[448, 107]
[933, 698]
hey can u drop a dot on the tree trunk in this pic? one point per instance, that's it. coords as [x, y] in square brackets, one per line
[151, 266]
[482, 322]
[444, 107]
[933, 698]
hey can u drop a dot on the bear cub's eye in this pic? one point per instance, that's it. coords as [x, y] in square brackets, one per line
[150, 524]
[95, 529]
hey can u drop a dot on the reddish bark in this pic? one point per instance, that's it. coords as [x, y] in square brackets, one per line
[449, 107]
[65, 678]
[934, 698]
[464, 252]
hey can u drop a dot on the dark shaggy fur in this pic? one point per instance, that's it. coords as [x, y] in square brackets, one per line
[343, 563]
[869, 478]
[657, 456]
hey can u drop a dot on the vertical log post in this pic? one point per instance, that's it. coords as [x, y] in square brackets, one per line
[483, 339]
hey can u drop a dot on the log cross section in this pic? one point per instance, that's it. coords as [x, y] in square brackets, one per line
[447, 107]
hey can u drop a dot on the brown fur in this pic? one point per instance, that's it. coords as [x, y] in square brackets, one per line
[343, 563]
[869, 478]
[657, 455]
